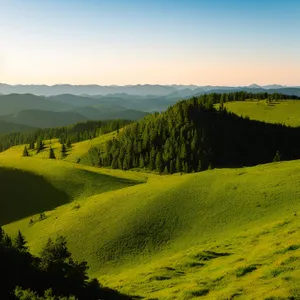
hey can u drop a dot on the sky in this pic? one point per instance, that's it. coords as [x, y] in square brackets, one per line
[216, 42]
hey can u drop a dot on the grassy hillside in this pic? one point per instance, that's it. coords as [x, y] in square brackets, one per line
[78, 151]
[154, 239]
[32, 185]
[284, 112]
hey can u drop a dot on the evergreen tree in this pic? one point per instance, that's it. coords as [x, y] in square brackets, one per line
[166, 171]
[114, 163]
[69, 144]
[172, 167]
[63, 150]
[25, 152]
[54, 252]
[7, 242]
[277, 157]
[51, 153]
[141, 161]
[39, 145]
[31, 145]
[178, 164]
[20, 242]
[199, 167]
[159, 164]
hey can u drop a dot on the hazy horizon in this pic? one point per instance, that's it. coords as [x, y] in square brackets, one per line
[160, 42]
[150, 84]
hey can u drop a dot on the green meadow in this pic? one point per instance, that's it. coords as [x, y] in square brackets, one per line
[218, 234]
[284, 111]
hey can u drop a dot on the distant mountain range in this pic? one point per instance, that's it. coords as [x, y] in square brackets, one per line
[41, 106]
[92, 90]
[31, 111]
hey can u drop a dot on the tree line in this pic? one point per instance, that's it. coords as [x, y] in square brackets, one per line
[193, 136]
[53, 275]
[67, 134]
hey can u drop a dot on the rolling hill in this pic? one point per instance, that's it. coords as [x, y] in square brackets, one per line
[229, 233]
[222, 232]
[60, 181]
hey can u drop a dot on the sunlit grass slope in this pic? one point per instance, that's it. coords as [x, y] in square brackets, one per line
[154, 239]
[284, 112]
[32, 185]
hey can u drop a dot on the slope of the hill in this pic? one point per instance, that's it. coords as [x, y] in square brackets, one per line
[284, 112]
[32, 185]
[151, 238]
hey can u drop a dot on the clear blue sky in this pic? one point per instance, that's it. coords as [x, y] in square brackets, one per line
[129, 42]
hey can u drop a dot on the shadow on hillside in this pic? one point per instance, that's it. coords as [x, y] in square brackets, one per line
[23, 194]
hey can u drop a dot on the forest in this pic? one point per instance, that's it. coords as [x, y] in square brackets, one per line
[193, 136]
[72, 133]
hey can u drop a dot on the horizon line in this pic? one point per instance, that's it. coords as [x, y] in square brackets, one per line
[144, 84]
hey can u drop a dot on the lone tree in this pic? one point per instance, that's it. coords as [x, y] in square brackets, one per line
[63, 150]
[20, 242]
[51, 153]
[277, 157]
[25, 152]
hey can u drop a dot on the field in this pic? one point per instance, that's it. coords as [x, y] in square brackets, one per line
[284, 112]
[218, 234]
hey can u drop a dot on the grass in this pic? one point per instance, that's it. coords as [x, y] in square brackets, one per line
[285, 112]
[219, 234]
[31, 185]
[242, 271]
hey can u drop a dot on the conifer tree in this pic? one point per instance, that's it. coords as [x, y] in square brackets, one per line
[159, 164]
[25, 152]
[172, 167]
[31, 145]
[69, 144]
[63, 150]
[178, 164]
[199, 167]
[166, 171]
[39, 145]
[114, 163]
[51, 153]
[141, 161]
[7, 242]
[20, 242]
[277, 157]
